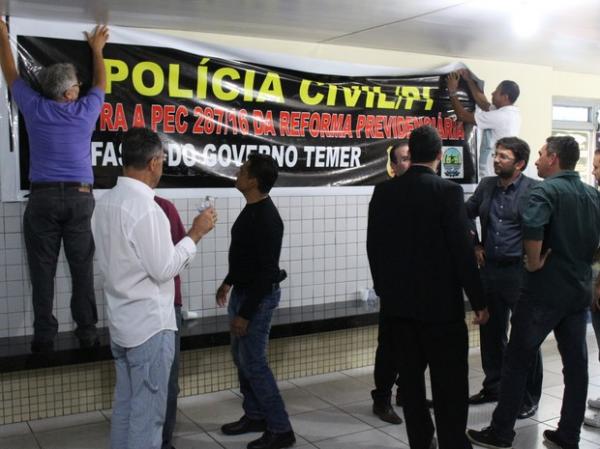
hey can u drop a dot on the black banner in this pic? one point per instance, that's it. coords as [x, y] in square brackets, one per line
[322, 130]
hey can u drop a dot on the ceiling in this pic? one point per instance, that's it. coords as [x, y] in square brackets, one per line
[558, 33]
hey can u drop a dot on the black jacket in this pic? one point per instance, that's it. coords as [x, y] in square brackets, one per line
[478, 205]
[419, 248]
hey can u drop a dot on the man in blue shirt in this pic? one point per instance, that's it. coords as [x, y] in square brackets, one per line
[59, 125]
[499, 202]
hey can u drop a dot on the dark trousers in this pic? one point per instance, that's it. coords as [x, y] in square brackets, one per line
[262, 399]
[386, 363]
[53, 215]
[502, 288]
[596, 325]
[531, 323]
[173, 388]
[444, 348]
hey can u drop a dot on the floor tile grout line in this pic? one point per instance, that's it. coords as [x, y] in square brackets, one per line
[69, 426]
[215, 440]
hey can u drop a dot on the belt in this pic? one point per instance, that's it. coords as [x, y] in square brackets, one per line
[505, 261]
[60, 185]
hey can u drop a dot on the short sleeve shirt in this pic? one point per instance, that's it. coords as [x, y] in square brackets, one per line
[59, 133]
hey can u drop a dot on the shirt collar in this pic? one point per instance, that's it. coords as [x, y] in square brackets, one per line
[564, 174]
[420, 169]
[136, 185]
[515, 184]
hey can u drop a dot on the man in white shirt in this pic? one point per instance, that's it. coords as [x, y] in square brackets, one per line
[500, 118]
[138, 262]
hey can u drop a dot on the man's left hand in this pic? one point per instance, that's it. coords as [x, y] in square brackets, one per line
[239, 326]
[97, 39]
[481, 316]
[532, 266]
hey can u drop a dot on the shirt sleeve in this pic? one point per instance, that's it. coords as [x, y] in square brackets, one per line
[472, 206]
[177, 229]
[455, 226]
[91, 104]
[491, 119]
[374, 233]
[537, 214]
[25, 97]
[160, 258]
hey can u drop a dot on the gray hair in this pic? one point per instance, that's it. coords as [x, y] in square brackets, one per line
[56, 79]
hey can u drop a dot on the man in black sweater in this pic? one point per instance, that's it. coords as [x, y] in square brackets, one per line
[254, 275]
[420, 279]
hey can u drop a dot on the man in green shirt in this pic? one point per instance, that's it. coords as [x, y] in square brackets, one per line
[560, 235]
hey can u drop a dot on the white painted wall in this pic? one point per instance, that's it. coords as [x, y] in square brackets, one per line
[324, 245]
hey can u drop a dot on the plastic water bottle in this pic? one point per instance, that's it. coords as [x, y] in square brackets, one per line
[208, 201]
[370, 299]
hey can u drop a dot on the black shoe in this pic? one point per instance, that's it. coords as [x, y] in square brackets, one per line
[244, 425]
[400, 402]
[487, 438]
[271, 440]
[386, 413]
[553, 437]
[89, 342]
[482, 398]
[527, 412]
[42, 346]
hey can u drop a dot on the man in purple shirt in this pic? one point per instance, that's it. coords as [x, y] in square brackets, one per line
[59, 124]
[177, 233]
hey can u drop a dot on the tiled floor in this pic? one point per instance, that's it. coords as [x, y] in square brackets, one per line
[329, 412]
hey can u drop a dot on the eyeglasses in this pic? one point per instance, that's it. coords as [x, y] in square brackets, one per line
[503, 157]
[77, 84]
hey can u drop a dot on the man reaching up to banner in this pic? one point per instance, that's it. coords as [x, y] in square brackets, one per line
[500, 118]
[59, 125]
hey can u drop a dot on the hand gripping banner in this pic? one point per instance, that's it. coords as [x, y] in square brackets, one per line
[213, 109]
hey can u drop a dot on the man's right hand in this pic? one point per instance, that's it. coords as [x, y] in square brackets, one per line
[222, 293]
[481, 316]
[465, 74]
[98, 38]
[203, 224]
[480, 255]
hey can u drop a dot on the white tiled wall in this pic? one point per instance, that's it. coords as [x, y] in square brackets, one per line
[324, 253]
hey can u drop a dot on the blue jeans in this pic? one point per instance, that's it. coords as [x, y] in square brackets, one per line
[502, 288]
[262, 399]
[531, 323]
[173, 391]
[52, 215]
[140, 398]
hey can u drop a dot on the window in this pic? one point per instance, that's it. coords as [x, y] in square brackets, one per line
[582, 121]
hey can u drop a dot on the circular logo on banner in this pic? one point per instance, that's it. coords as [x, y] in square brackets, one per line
[452, 162]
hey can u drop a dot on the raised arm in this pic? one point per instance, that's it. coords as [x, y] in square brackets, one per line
[477, 94]
[462, 114]
[97, 41]
[6, 56]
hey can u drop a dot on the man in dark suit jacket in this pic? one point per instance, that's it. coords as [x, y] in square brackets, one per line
[499, 202]
[421, 258]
